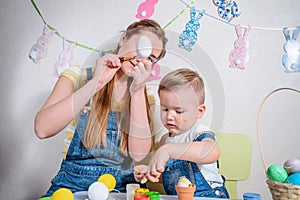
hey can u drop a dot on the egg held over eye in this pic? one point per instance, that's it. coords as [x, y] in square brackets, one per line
[144, 47]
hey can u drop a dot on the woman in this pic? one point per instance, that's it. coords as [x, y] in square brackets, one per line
[109, 110]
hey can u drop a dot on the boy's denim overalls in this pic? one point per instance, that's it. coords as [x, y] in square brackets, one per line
[176, 168]
[83, 166]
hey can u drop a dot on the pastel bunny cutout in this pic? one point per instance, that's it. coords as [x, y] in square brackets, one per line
[189, 36]
[64, 58]
[239, 55]
[227, 9]
[155, 73]
[146, 9]
[39, 50]
[291, 59]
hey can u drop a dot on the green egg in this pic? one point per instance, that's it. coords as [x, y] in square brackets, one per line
[277, 173]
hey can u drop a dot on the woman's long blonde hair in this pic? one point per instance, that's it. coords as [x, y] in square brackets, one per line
[95, 133]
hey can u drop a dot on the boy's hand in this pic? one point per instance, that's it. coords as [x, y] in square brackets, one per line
[141, 174]
[158, 161]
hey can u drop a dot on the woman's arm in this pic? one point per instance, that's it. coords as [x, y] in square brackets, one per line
[139, 140]
[63, 105]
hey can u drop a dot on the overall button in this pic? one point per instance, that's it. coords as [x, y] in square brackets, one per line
[218, 192]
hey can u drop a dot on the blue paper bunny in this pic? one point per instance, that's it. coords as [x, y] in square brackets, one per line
[227, 9]
[291, 59]
[189, 36]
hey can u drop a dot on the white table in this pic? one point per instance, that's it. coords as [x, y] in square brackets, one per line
[122, 196]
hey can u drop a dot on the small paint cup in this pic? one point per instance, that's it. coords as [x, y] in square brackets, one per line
[251, 196]
[130, 190]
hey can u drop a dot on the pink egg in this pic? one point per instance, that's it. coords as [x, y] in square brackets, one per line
[292, 166]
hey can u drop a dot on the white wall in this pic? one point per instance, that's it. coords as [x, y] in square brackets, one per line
[27, 164]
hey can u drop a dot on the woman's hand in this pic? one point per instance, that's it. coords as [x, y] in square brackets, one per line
[140, 73]
[140, 172]
[106, 68]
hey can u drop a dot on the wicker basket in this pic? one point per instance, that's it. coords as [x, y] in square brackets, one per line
[279, 191]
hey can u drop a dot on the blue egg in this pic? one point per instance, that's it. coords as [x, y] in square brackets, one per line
[293, 179]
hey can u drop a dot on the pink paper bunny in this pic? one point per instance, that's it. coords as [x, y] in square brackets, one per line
[239, 55]
[64, 58]
[146, 9]
[155, 73]
[39, 49]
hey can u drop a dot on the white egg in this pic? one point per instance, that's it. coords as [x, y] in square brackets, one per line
[144, 46]
[183, 182]
[98, 191]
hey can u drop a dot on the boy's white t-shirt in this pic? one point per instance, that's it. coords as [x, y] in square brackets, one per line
[209, 171]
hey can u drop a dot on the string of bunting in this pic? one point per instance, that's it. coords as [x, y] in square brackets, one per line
[227, 10]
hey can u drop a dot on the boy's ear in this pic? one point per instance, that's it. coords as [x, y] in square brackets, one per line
[201, 110]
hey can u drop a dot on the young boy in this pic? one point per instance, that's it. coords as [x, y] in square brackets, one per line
[189, 148]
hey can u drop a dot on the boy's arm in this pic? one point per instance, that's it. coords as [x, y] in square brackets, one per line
[204, 151]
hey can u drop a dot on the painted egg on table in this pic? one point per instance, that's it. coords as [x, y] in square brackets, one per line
[108, 180]
[292, 166]
[97, 191]
[184, 182]
[277, 173]
[293, 179]
[63, 194]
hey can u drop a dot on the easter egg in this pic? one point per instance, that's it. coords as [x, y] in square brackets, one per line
[98, 190]
[292, 166]
[144, 46]
[63, 194]
[184, 182]
[109, 180]
[293, 179]
[277, 173]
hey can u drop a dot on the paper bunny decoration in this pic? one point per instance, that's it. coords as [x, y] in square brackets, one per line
[239, 55]
[155, 73]
[189, 36]
[146, 9]
[227, 9]
[39, 49]
[64, 58]
[291, 59]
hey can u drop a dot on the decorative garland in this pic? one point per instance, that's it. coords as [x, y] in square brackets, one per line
[227, 10]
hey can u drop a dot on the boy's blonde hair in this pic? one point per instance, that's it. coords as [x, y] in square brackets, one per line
[183, 77]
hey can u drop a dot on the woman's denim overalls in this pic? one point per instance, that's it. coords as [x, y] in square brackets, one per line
[83, 166]
[176, 168]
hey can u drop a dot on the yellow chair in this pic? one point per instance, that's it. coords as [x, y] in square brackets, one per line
[235, 159]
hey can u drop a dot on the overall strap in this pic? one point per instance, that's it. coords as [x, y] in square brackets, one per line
[204, 135]
[89, 74]
[201, 137]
